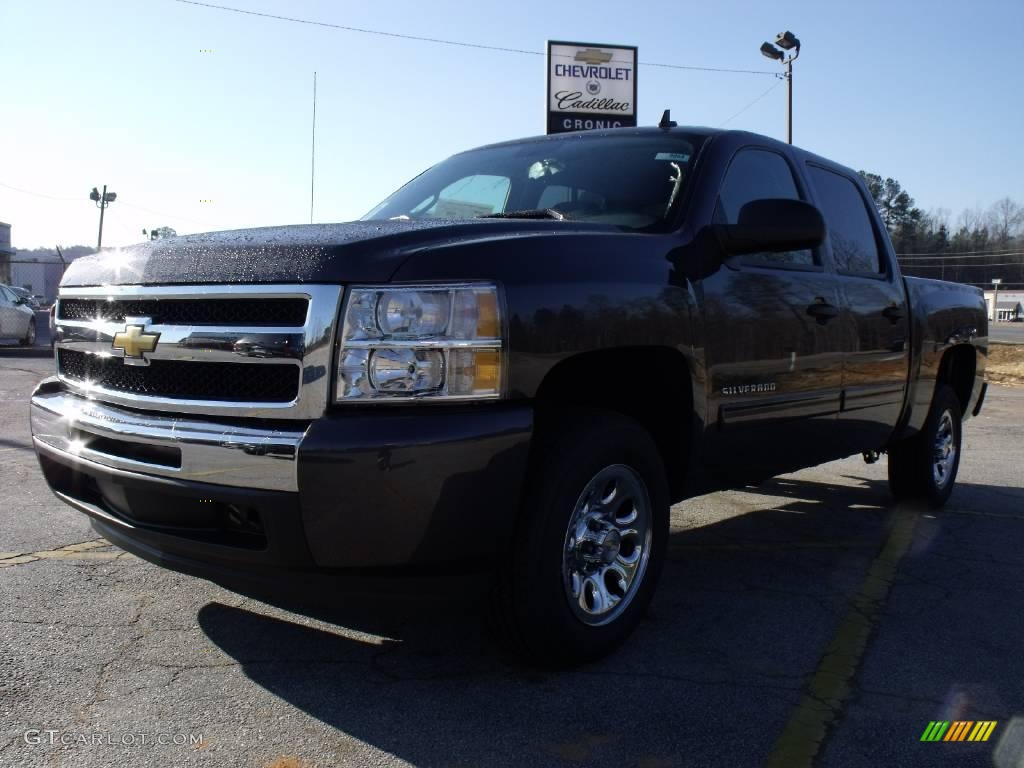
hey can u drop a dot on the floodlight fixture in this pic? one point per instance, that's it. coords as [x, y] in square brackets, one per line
[787, 40]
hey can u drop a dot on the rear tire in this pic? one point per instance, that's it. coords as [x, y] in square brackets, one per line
[590, 542]
[30, 334]
[925, 466]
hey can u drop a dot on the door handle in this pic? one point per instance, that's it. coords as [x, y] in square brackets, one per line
[822, 311]
[893, 314]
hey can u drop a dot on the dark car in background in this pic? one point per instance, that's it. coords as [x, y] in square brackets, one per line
[509, 369]
[33, 301]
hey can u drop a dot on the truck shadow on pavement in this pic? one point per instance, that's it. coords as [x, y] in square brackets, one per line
[744, 611]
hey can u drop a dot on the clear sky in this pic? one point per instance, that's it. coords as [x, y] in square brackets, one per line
[120, 92]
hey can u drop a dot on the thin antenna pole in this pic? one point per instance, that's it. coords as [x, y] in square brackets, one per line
[312, 159]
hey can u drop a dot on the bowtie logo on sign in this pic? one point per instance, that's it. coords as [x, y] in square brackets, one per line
[590, 86]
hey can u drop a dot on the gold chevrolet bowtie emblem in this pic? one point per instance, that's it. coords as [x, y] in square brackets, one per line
[134, 342]
[593, 56]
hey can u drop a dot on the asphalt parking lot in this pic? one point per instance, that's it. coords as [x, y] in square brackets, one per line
[805, 621]
[1012, 333]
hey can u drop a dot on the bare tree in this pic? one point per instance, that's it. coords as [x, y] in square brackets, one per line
[937, 218]
[1005, 219]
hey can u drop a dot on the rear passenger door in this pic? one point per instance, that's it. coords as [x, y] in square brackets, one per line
[773, 341]
[875, 314]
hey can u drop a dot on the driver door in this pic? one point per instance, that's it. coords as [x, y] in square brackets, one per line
[774, 343]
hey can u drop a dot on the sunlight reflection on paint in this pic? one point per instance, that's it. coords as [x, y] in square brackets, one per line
[955, 705]
[120, 261]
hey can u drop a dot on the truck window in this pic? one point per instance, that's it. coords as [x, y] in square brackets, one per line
[633, 182]
[755, 174]
[568, 198]
[475, 195]
[850, 232]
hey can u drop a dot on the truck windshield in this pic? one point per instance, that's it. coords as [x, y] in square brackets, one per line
[634, 182]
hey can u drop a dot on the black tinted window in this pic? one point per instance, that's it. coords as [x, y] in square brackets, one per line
[757, 174]
[633, 182]
[854, 247]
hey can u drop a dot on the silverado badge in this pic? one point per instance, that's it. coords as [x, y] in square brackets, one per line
[135, 342]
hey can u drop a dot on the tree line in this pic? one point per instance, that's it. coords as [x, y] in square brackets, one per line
[975, 247]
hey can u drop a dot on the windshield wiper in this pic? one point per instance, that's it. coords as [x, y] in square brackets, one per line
[531, 213]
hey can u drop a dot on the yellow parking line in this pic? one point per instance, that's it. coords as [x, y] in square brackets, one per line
[803, 735]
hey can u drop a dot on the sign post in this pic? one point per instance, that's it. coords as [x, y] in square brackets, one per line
[590, 86]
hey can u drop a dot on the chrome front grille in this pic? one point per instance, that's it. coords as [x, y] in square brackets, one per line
[192, 381]
[242, 312]
[255, 350]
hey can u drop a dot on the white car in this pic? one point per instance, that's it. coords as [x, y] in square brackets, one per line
[17, 318]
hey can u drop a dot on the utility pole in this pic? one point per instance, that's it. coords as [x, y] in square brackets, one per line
[787, 41]
[789, 88]
[102, 201]
[312, 153]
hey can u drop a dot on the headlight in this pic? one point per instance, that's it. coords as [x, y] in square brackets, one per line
[437, 342]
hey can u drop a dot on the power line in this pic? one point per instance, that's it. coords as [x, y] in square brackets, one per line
[40, 194]
[774, 86]
[120, 203]
[991, 252]
[442, 41]
[988, 286]
[954, 255]
[965, 266]
[170, 215]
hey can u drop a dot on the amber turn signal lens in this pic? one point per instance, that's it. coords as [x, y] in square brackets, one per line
[486, 371]
[487, 316]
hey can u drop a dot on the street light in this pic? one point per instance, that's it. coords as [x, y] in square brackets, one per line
[787, 41]
[102, 201]
[996, 282]
[769, 50]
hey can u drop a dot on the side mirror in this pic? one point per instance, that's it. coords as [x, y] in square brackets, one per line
[772, 225]
[21, 301]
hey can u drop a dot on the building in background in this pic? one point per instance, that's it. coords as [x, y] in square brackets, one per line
[1008, 311]
[40, 275]
[6, 253]
[1011, 306]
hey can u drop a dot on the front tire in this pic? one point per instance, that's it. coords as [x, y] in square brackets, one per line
[590, 544]
[925, 466]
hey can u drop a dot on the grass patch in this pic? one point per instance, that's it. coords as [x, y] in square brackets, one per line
[1006, 364]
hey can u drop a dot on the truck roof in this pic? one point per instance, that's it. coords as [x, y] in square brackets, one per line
[698, 131]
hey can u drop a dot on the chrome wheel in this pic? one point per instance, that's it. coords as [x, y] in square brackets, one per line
[944, 451]
[607, 545]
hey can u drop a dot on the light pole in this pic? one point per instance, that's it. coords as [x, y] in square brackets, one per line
[787, 41]
[102, 201]
[995, 298]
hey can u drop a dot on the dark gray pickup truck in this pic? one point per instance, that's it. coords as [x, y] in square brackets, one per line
[510, 367]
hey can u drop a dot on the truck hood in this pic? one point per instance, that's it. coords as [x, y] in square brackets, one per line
[369, 251]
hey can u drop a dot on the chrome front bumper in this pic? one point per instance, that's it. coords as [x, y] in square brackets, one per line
[99, 434]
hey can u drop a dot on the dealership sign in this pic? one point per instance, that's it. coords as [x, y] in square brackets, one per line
[590, 86]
